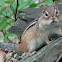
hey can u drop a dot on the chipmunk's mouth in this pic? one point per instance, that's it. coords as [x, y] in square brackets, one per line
[53, 22]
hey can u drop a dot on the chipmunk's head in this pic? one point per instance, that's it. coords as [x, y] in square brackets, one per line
[50, 13]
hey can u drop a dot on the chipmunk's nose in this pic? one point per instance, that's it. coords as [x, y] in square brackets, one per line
[53, 19]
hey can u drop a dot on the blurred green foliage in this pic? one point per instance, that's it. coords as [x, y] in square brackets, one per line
[8, 8]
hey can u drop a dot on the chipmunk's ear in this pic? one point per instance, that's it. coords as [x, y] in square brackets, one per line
[55, 5]
[43, 7]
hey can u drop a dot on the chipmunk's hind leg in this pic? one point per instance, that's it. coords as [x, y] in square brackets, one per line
[29, 54]
[32, 53]
[32, 47]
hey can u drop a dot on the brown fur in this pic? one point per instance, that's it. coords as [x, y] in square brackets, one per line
[23, 46]
[34, 36]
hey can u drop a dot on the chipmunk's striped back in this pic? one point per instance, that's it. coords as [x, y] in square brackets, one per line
[30, 25]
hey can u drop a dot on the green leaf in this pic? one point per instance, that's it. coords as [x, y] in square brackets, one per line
[5, 39]
[21, 1]
[7, 11]
[59, 1]
[32, 5]
[4, 26]
[14, 5]
[7, 27]
[2, 23]
[24, 4]
[1, 9]
[9, 2]
[6, 23]
[32, 2]
[9, 34]
[2, 2]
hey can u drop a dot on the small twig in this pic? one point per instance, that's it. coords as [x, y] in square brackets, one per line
[16, 11]
[4, 33]
[59, 58]
[54, 0]
[6, 12]
[9, 23]
[12, 9]
[7, 16]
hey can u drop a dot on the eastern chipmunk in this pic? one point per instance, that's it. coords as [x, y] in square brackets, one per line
[35, 35]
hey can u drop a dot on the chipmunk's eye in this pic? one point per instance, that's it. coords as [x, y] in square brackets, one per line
[46, 13]
[57, 12]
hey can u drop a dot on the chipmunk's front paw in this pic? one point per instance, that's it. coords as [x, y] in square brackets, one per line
[47, 41]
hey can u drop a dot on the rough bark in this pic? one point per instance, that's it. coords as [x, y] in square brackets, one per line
[49, 53]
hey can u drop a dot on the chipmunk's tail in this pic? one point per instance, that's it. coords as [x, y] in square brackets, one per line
[22, 47]
[19, 47]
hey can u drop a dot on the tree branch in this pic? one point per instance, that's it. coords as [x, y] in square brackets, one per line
[60, 57]
[8, 46]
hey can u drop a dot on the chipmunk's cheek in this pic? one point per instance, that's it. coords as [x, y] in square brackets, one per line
[56, 19]
[49, 21]
[52, 20]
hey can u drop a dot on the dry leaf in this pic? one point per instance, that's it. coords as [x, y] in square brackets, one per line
[14, 60]
[2, 56]
[8, 55]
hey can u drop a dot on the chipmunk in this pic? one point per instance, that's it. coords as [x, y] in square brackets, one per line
[35, 35]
